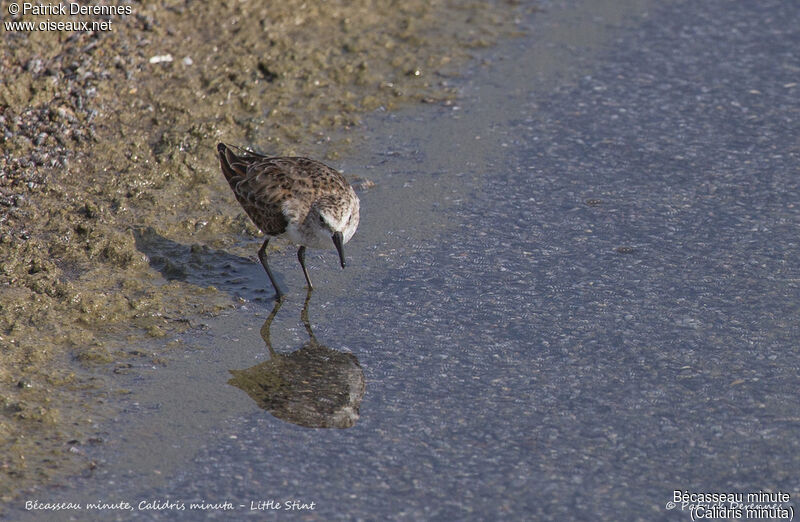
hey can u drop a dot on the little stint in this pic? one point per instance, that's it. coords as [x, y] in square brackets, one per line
[300, 199]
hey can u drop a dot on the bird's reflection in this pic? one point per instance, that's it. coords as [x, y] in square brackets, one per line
[315, 386]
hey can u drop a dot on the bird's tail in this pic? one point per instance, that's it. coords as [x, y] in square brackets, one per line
[233, 164]
[227, 160]
[226, 157]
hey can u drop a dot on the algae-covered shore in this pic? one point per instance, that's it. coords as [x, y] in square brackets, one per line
[107, 133]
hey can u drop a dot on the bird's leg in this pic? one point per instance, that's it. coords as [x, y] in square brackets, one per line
[267, 325]
[262, 256]
[301, 256]
[304, 318]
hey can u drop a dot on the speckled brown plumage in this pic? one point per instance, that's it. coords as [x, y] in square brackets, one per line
[294, 197]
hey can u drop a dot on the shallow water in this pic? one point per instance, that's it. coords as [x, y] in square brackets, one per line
[569, 295]
[105, 133]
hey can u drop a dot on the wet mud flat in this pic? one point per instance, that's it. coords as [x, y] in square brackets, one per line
[108, 180]
[590, 306]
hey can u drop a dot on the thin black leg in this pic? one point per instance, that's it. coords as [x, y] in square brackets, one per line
[266, 326]
[301, 256]
[304, 317]
[262, 255]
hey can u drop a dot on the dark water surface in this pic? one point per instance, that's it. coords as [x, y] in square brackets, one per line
[570, 295]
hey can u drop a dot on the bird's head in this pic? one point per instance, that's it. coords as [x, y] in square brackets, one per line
[337, 221]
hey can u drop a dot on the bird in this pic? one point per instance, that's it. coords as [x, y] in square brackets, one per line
[300, 199]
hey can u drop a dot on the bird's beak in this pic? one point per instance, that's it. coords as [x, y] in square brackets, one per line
[337, 240]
